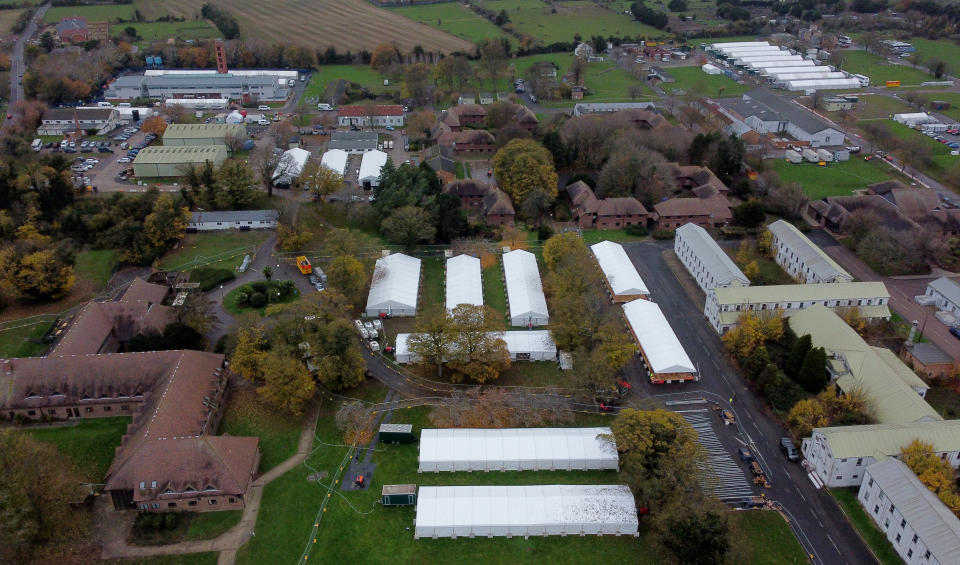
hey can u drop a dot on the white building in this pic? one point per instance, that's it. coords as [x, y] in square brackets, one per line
[767, 112]
[662, 352]
[517, 449]
[290, 166]
[724, 306]
[528, 305]
[58, 121]
[704, 260]
[801, 258]
[914, 119]
[921, 528]
[839, 455]
[335, 160]
[524, 511]
[381, 116]
[233, 219]
[946, 295]
[394, 287]
[370, 166]
[623, 280]
[464, 285]
[522, 345]
[823, 84]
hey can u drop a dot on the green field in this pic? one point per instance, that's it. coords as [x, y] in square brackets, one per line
[96, 266]
[203, 248]
[607, 83]
[954, 98]
[94, 13]
[494, 292]
[876, 106]
[847, 499]
[13, 342]
[161, 31]
[247, 415]
[694, 82]
[879, 71]
[360, 74]
[208, 558]
[90, 444]
[454, 18]
[7, 19]
[433, 283]
[232, 305]
[836, 179]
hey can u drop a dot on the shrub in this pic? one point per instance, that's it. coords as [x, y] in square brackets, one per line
[636, 229]
[243, 297]
[544, 233]
[258, 300]
[210, 278]
[259, 286]
[663, 234]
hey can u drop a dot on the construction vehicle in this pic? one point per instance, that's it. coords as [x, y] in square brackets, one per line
[304, 265]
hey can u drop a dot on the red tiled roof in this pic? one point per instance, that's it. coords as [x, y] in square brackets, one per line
[361, 111]
[140, 289]
[620, 206]
[681, 207]
[99, 322]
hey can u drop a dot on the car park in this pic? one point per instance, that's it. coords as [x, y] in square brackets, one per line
[788, 449]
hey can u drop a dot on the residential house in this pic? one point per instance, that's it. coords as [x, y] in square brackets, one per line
[946, 295]
[464, 115]
[242, 220]
[919, 526]
[724, 306]
[469, 142]
[366, 116]
[583, 51]
[471, 192]
[801, 258]
[692, 177]
[525, 118]
[712, 211]
[706, 262]
[58, 121]
[441, 160]
[590, 212]
[833, 212]
[497, 208]
[929, 360]
[72, 29]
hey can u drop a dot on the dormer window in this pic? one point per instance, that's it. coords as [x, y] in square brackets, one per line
[210, 487]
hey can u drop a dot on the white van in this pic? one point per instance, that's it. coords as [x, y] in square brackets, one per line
[324, 107]
[37, 144]
[104, 105]
[123, 105]
[263, 108]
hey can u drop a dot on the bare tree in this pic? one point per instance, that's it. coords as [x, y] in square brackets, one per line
[234, 142]
[265, 163]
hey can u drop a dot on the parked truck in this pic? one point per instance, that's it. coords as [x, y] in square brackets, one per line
[792, 156]
[810, 155]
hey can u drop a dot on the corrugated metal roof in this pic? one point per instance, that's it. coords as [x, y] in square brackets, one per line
[890, 439]
[788, 111]
[948, 288]
[175, 154]
[809, 252]
[783, 293]
[936, 526]
[711, 256]
[195, 131]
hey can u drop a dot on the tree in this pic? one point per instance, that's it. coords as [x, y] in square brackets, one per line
[659, 454]
[287, 385]
[537, 203]
[758, 359]
[415, 80]
[697, 533]
[322, 180]
[493, 58]
[752, 271]
[798, 352]
[408, 226]
[268, 272]
[155, 125]
[636, 171]
[236, 186]
[38, 486]
[293, 238]
[454, 70]
[48, 41]
[250, 355]
[765, 243]
[567, 247]
[347, 275]
[750, 214]
[167, 223]
[613, 351]
[813, 373]
[677, 5]
[433, 338]
[355, 420]
[340, 365]
[419, 124]
[198, 313]
[383, 56]
[37, 274]
[264, 162]
[524, 164]
[477, 352]
[935, 473]
[499, 114]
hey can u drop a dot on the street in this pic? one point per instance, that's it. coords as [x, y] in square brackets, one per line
[17, 66]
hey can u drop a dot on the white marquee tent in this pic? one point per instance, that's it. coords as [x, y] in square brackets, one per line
[711, 69]
[767, 67]
[660, 346]
[290, 166]
[335, 160]
[823, 84]
[517, 449]
[370, 166]
[463, 281]
[522, 345]
[540, 510]
[528, 306]
[395, 285]
[622, 276]
[825, 74]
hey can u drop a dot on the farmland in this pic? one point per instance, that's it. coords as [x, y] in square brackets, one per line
[346, 24]
[453, 18]
[561, 21]
[160, 31]
[7, 19]
[96, 13]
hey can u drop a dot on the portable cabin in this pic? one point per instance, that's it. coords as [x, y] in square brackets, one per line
[810, 155]
[396, 433]
[792, 156]
[398, 495]
[825, 155]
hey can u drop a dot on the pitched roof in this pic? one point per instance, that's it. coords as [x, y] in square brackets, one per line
[525, 115]
[801, 292]
[363, 111]
[948, 287]
[787, 111]
[99, 322]
[85, 114]
[467, 188]
[929, 353]
[809, 252]
[879, 440]
[936, 526]
[620, 206]
[682, 207]
[200, 131]
[473, 110]
[497, 203]
[140, 289]
[916, 203]
[579, 192]
[231, 216]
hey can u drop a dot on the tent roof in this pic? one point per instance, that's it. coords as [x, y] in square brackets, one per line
[524, 289]
[659, 343]
[396, 281]
[463, 281]
[619, 270]
[538, 444]
[371, 164]
[518, 341]
[291, 163]
[335, 160]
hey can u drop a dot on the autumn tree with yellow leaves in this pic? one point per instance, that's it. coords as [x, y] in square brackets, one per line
[752, 330]
[935, 473]
[522, 166]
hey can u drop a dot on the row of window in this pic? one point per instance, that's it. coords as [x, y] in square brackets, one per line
[156, 505]
[903, 524]
[789, 305]
[88, 410]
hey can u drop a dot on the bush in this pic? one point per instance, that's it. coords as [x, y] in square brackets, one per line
[544, 233]
[259, 286]
[210, 278]
[636, 229]
[258, 300]
[663, 234]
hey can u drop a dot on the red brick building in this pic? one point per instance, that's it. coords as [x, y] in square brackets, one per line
[590, 212]
[471, 193]
[469, 142]
[497, 208]
[711, 212]
[72, 30]
[465, 115]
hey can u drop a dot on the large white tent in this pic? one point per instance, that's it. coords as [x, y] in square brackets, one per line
[823, 84]
[370, 166]
[781, 77]
[539, 510]
[290, 166]
[522, 345]
[659, 345]
[767, 67]
[528, 306]
[395, 285]
[517, 449]
[622, 277]
[335, 160]
[747, 59]
[463, 281]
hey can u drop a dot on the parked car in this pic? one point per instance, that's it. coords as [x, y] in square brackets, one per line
[263, 108]
[313, 279]
[319, 287]
[955, 332]
[786, 445]
[123, 160]
[745, 455]
[389, 128]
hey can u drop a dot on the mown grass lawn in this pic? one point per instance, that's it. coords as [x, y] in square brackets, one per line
[96, 265]
[434, 275]
[208, 525]
[90, 445]
[954, 98]
[93, 13]
[694, 82]
[453, 18]
[17, 342]
[208, 558]
[880, 71]
[247, 414]
[563, 20]
[7, 19]
[847, 499]
[360, 74]
[199, 249]
[607, 83]
[875, 107]
[494, 292]
[155, 31]
[768, 537]
[620, 236]
[836, 179]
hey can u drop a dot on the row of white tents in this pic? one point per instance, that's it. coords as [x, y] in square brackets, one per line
[792, 71]
[623, 280]
[528, 305]
[522, 345]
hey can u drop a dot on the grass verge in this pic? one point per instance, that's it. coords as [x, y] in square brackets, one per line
[90, 445]
[96, 266]
[847, 498]
[19, 342]
[433, 283]
[197, 249]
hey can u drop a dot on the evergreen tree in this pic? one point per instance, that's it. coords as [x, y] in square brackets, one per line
[797, 355]
[813, 373]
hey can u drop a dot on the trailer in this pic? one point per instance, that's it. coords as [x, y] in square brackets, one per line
[398, 495]
[825, 155]
[792, 156]
[810, 155]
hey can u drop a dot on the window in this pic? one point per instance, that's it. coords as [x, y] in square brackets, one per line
[212, 502]
[909, 554]
[153, 484]
[876, 508]
[192, 503]
[843, 460]
[926, 554]
[52, 411]
[124, 407]
[839, 477]
[88, 409]
[903, 523]
[231, 500]
[859, 463]
[886, 523]
[892, 508]
[898, 538]
[171, 505]
[31, 412]
[106, 408]
[914, 540]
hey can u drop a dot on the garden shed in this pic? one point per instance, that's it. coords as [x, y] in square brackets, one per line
[395, 286]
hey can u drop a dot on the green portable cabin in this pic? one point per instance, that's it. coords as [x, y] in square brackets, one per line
[398, 495]
[396, 433]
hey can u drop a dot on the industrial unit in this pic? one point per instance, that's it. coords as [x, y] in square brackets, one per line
[175, 161]
[202, 134]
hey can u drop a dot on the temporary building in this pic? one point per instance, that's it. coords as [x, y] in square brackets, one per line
[825, 74]
[209, 103]
[768, 66]
[234, 117]
[517, 449]
[395, 285]
[661, 349]
[622, 277]
[370, 166]
[290, 166]
[812, 69]
[536, 510]
[523, 345]
[463, 281]
[711, 69]
[913, 119]
[823, 84]
[528, 306]
[737, 44]
[335, 160]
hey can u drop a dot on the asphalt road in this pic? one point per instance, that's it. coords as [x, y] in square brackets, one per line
[17, 66]
[820, 523]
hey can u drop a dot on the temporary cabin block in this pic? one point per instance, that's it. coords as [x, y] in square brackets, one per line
[399, 495]
[396, 433]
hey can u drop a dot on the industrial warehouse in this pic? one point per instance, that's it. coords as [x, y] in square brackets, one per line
[175, 161]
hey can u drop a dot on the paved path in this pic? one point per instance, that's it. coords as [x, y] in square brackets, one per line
[114, 532]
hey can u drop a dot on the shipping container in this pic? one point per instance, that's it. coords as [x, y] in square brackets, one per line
[396, 433]
[398, 495]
